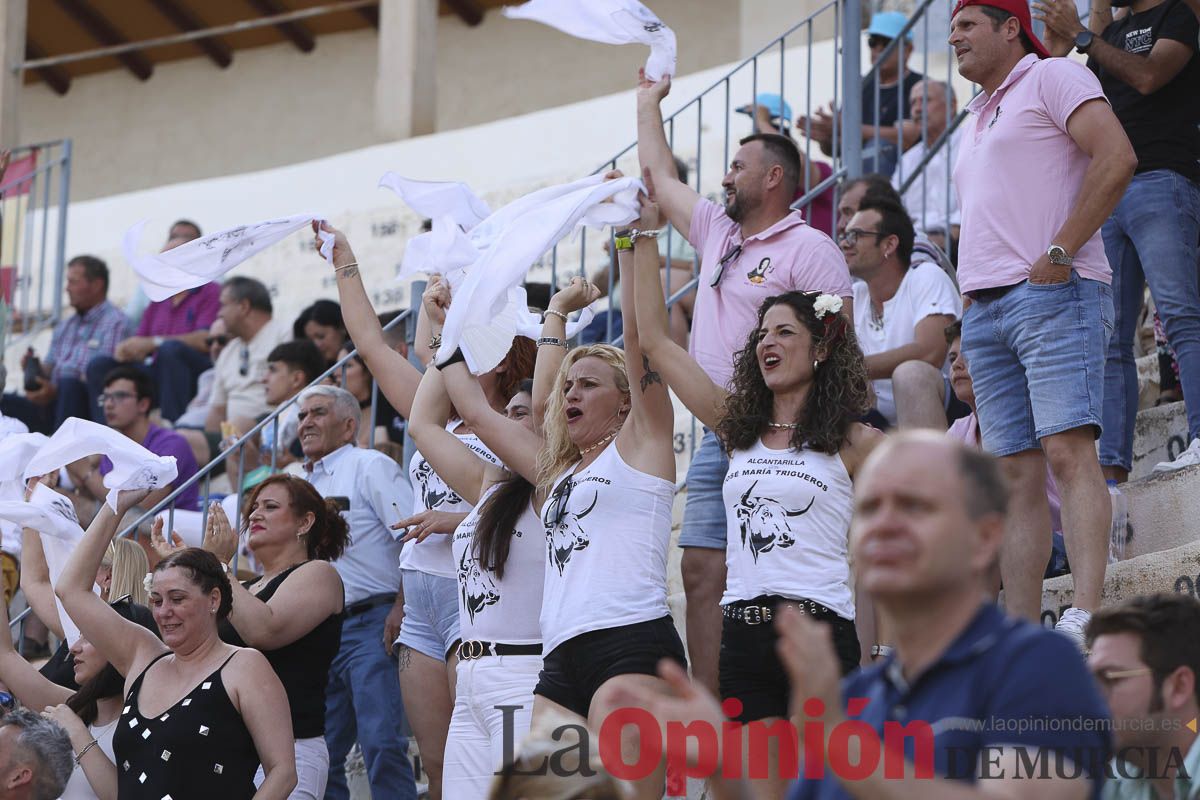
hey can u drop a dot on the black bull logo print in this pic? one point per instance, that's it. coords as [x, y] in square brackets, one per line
[764, 522]
[477, 587]
[566, 535]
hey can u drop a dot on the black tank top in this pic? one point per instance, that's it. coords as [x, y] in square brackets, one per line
[302, 666]
[199, 747]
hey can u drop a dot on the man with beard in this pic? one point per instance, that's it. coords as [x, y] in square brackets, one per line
[754, 247]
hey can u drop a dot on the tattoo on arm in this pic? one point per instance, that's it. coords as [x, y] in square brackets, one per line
[649, 376]
[349, 272]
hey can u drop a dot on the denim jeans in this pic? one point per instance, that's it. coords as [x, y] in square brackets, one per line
[1151, 238]
[363, 702]
[704, 520]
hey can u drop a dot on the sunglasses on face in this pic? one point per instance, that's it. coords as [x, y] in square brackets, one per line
[877, 42]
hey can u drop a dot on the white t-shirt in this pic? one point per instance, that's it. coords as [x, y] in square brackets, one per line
[932, 193]
[608, 542]
[788, 516]
[240, 370]
[433, 556]
[77, 787]
[924, 291]
[507, 609]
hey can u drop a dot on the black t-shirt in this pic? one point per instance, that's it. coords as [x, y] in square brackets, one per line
[889, 99]
[1161, 126]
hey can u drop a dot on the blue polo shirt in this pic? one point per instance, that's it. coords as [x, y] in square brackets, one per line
[1002, 682]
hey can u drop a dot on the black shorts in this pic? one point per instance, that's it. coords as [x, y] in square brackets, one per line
[573, 671]
[750, 669]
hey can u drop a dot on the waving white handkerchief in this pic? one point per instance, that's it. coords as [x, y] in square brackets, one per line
[134, 467]
[209, 257]
[53, 517]
[607, 21]
[483, 307]
[444, 250]
[529, 324]
[435, 199]
[17, 450]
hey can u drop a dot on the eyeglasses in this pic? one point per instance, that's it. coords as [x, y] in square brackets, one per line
[850, 236]
[734, 253]
[1108, 677]
[116, 397]
[244, 363]
[557, 510]
[221, 340]
[877, 42]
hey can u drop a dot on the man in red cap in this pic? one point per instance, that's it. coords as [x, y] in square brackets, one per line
[1042, 164]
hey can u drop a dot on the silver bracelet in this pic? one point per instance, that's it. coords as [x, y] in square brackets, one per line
[633, 237]
[554, 340]
[83, 752]
[558, 314]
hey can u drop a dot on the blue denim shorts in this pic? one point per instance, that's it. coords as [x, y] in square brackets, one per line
[430, 623]
[704, 510]
[1036, 355]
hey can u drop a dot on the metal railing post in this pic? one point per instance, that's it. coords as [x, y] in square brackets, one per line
[64, 193]
[852, 87]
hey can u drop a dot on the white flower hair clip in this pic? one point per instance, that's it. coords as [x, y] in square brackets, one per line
[825, 304]
[148, 582]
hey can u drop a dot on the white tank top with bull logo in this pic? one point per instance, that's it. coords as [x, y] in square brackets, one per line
[788, 521]
[608, 529]
[508, 609]
[430, 493]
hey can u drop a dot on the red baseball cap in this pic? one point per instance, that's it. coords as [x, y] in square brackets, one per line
[1019, 9]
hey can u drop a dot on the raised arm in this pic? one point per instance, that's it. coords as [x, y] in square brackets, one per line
[651, 422]
[127, 645]
[697, 391]
[35, 582]
[576, 295]
[654, 153]
[397, 378]
[22, 678]
[512, 442]
[309, 595]
[453, 461]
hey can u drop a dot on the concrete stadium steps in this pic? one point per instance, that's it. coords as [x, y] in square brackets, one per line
[1164, 511]
[1160, 434]
[1174, 570]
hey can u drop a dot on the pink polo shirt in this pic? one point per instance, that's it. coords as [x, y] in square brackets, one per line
[1019, 173]
[788, 256]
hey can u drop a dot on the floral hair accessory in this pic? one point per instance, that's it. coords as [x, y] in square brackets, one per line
[825, 304]
[148, 582]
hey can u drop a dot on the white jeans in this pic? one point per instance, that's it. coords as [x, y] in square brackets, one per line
[312, 769]
[475, 745]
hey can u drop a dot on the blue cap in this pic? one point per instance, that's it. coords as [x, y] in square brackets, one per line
[888, 23]
[774, 105]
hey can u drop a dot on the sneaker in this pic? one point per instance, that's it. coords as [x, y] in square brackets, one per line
[1188, 458]
[1072, 624]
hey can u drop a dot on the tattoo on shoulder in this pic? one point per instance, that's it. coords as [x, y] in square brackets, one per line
[404, 656]
[649, 376]
[349, 272]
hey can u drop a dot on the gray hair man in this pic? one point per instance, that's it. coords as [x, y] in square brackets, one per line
[36, 757]
[363, 697]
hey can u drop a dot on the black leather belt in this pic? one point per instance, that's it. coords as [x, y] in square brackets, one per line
[992, 292]
[758, 612]
[474, 648]
[371, 602]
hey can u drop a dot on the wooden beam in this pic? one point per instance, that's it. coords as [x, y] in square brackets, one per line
[54, 77]
[296, 32]
[185, 21]
[371, 15]
[467, 11]
[103, 32]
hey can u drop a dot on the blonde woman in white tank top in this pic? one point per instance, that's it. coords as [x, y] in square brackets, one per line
[605, 468]
[788, 421]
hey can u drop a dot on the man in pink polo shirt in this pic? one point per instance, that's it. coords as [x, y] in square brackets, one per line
[751, 248]
[1043, 162]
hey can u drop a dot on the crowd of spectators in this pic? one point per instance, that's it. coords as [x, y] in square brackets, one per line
[907, 375]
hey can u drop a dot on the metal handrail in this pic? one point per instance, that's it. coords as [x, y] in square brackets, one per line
[205, 472]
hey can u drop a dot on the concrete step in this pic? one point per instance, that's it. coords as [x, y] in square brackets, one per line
[1160, 434]
[1164, 511]
[1174, 570]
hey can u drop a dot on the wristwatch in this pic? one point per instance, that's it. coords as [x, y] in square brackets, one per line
[1058, 255]
[623, 242]
[1083, 40]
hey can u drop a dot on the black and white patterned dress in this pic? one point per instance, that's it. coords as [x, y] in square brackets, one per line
[199, 747]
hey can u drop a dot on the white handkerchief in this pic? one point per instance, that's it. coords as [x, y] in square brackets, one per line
[134, 467]
[484, 315]
[209, 257]
[444, 250]
[16, 451]
[529, 324]
[434, 199]
[53, 517]
[607, 21]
